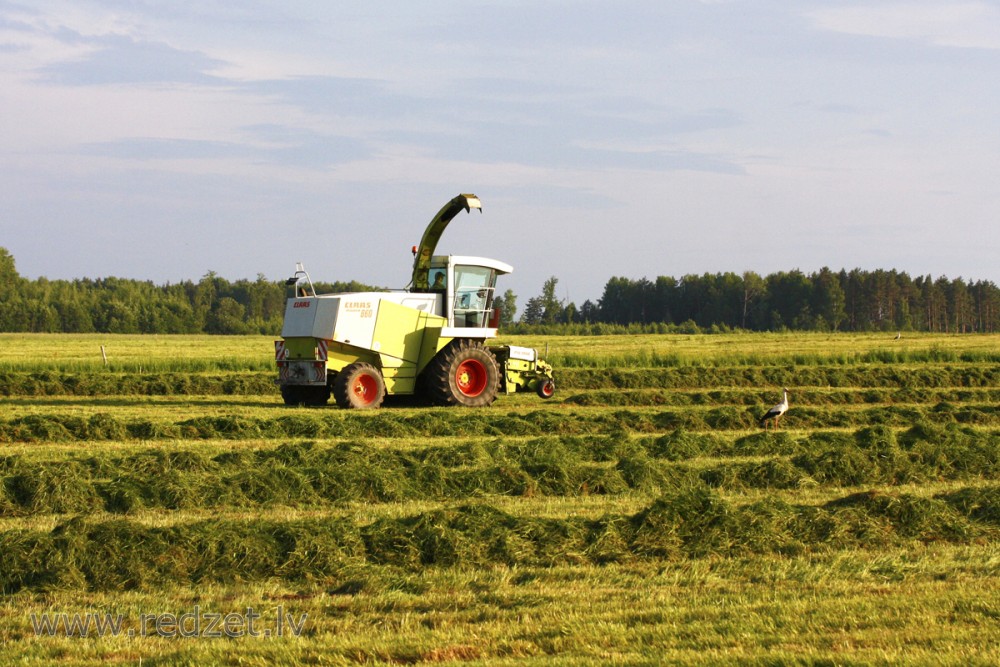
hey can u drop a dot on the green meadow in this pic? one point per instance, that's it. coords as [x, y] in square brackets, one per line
[158, 497]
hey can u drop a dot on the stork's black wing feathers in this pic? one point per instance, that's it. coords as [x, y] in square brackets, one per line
[773, 412]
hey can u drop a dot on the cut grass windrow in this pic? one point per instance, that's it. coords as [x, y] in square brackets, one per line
[307, 474]
[869, 376]
[911, 376]
[60, 427]
[110, 383]
[690, 522]
[810, 396]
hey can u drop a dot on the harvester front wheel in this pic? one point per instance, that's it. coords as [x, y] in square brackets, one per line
[463, 373]
[359, 386]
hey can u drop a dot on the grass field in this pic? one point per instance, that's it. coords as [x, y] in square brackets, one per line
[639, 517]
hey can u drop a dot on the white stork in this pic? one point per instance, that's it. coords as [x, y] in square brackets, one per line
[776, 412]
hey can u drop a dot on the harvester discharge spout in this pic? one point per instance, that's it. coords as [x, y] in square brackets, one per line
[429, 241]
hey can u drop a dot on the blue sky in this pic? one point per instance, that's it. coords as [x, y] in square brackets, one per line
[160, 141]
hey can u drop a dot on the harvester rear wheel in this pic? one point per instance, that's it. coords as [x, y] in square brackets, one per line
[463, 373]
[359, 386]
[305, 395]
[291, 395]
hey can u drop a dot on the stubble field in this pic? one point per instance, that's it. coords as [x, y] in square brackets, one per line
[640, 516]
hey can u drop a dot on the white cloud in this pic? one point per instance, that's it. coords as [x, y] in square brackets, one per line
[949, 24]
[691, 128]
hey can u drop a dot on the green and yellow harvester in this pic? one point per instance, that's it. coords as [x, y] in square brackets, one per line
[429, 340]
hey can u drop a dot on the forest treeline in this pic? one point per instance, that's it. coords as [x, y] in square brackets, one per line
[211, 305]
[857, 300]
[826, 300]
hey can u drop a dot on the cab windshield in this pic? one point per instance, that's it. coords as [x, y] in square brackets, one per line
[473, 303]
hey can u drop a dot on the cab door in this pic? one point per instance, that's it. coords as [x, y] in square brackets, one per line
[472, 295]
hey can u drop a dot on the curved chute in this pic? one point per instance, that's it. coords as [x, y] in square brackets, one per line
[429, 241]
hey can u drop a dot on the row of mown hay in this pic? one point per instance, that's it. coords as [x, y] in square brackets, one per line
[305, 474]
[872, 455]
[102, 383]
[261, 383]
[802, 396]
[648, 358]
[437, 423]
[690, 522]
[871, 376]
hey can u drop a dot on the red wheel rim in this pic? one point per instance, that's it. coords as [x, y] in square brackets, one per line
[365, 389]
[548, 389]
[471, 377]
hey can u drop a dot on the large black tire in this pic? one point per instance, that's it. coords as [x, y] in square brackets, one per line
[465, 373]
[290, 395]
[303, 395]
[359, 386]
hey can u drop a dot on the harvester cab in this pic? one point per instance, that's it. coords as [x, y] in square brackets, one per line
[467, 284]
[429, 339]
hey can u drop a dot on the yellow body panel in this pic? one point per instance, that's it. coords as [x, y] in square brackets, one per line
[405, 339]
[340, 356]
[399, 331]
[301, 348]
